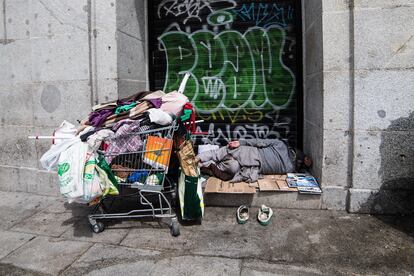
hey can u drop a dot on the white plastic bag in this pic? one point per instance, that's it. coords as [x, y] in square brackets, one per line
[50, 159]
[91, 182]
[65, 130]
[71, 168]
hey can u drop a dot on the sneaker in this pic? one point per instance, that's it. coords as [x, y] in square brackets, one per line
[242, 214]
[264, 215]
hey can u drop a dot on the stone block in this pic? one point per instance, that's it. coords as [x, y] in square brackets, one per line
[16, 105]
[397, 159]
[132, 59]
[313, 105]
[313, 11]
[129, 87]
[367, 160]
[40, 182]
[336, 50]
[47, 255]
[55, 102]
[381, 201]
[384, 37]
[105, 17]
[360, 200]
[16, 150]
[313, 146]
[17, 19]
[131, 17]
[60, 57]
[387, 4]
[382, 97]
[51, 18]
[107, 90]
[334, 198]
[15, 62]
[2, 29]
[335, 158]
[314, 48]
[289, 200]
[104, 43]
[105, 48]
[332, 6]
[8, 178]
[336, 100]
[11, 241]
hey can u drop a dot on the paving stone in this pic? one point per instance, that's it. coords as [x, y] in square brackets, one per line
[11, 240]
[182, 265]
[157, 237]
[256, 268]
[102, 255]
[382, 245]
[46, 223]
[47, 255]
[81, 230]
[18, 206]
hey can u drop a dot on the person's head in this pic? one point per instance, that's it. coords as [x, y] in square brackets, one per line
[302, 161]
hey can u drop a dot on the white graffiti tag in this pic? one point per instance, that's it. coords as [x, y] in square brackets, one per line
[189, 8]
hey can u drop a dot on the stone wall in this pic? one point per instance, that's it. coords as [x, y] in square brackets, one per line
[383, 171]
[57, 58]
[366, 102]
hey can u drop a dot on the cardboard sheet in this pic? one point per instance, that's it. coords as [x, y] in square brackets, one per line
[283, 186]
[215, 185]
[268, 185]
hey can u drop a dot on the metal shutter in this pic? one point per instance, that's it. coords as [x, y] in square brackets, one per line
[244, 58]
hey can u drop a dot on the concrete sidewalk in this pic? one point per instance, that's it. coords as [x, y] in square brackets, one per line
[44, 235]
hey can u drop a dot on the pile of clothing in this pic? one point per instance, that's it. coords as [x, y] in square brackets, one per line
[85, 175]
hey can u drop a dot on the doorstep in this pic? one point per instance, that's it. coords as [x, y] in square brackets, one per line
[223, 194]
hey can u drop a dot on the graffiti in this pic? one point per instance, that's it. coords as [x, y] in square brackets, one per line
[236, 56]
[244, 132]
[264, 14]
[189, 8]
[231, 70]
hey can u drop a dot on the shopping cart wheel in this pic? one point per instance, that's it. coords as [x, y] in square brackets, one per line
[175, 228]
[98, 227]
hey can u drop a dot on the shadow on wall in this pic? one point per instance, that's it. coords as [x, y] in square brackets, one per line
[396, 194]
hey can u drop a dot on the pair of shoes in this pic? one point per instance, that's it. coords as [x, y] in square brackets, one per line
[263, 216]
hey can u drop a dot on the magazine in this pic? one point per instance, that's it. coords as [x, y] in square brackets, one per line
[305, 183]
[310, 190]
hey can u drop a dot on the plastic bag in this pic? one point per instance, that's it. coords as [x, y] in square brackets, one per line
[191, 197]
[71, 168]
[50, 159]
[65, 130]
[91, 182]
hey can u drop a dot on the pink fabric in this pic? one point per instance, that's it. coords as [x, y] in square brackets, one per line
[173, 102]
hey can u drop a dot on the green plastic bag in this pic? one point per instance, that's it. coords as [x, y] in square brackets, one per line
[107, 177]
[191, 197]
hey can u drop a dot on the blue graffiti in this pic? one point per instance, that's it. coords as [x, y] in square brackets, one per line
[264, 14]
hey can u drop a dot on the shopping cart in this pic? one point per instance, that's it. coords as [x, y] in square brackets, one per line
[142, 176]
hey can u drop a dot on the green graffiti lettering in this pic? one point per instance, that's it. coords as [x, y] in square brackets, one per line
[230, 71]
